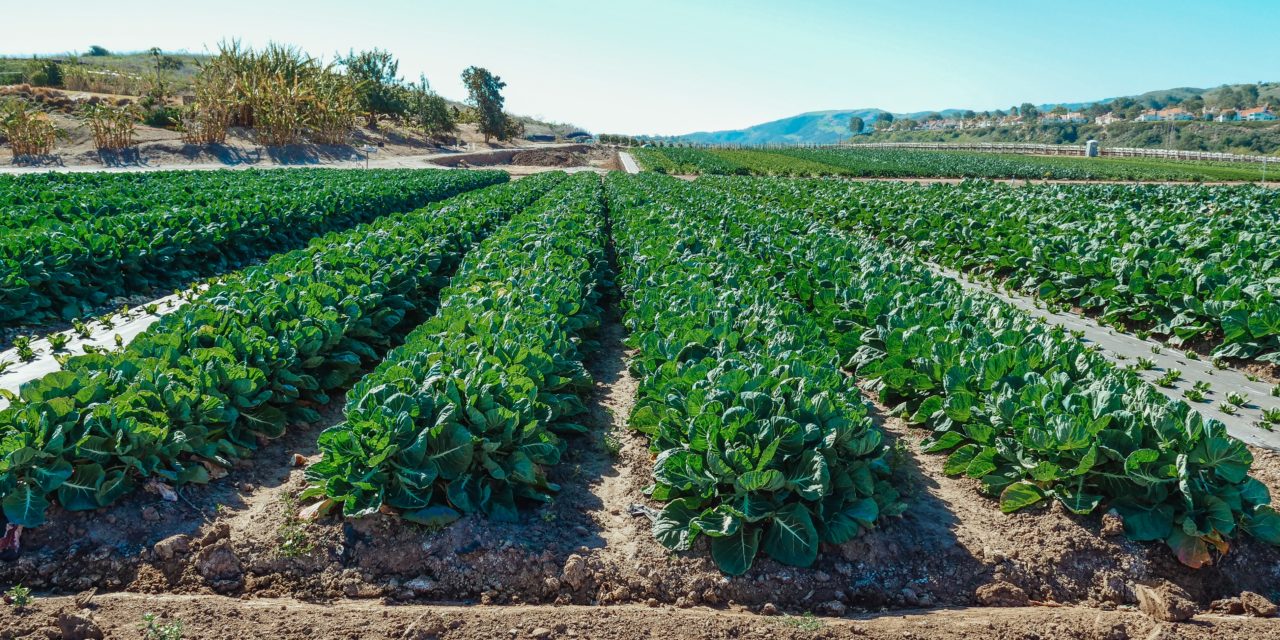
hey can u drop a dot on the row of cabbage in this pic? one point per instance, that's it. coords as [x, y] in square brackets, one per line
[55, 198]
[254, 353]
[468, 415]
[905, 163]
[916, 163]
[761, 444]
[165, 235]
[1024, 408]
[1198, 264]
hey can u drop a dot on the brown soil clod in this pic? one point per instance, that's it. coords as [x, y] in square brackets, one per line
[1257, 605]
[78, 625]
[1001, 594]
[1165, 601]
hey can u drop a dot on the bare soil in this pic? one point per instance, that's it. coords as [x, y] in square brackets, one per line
[120, 615]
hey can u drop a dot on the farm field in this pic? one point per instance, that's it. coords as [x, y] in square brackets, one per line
[914, 163]
[746, 394]
[1198, 266]
[74, 243]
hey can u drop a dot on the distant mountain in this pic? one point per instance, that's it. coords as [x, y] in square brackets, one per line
[826, 127]
[822, 127]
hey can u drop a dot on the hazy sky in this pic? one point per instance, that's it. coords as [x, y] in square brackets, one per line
[667, 66]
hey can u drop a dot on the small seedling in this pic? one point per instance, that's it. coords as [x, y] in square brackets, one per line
[58, 341]
[1171, 376]
[1252, 378]
[1219, 363]
[1077, 334]
[292, 534]
[1229, 409]
[18, 596]
[612, 445]
[5, 364]
[806, 622]
[1238, 399]
[1275, 391]
[152, 308]
[1272, 415]
[107, 321]
[82, 329]
[23, 345]
[1194, 395]
[1191, 355]
[1146, 364]
[119, 342]
[153, 629]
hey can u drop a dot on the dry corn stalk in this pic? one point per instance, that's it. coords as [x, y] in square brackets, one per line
[112, 127]
[29, 132]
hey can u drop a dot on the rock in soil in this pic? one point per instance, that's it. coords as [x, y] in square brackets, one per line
[1165, 601]
[428, 626]
[78, 625]
[575, 572]
[219, 562]
[1257, 605]
[1001, 594]
[1112, 525]
[172, 546]
[1228, 606]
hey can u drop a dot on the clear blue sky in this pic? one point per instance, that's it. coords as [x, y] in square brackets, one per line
[669, 66]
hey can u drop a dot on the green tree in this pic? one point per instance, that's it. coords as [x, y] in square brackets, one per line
[428, 110]
[856, 125]
[884, 120]
[379, 88]
[1250, 94]
[1029, 111]
[98, 51]
[485, 94]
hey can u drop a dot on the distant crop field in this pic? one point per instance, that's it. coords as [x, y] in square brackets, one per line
[914, 163]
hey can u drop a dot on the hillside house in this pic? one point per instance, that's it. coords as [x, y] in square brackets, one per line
[1258, 114]
[1150, 115]
[1228, 116]
[1173, 114]
[1107, 118]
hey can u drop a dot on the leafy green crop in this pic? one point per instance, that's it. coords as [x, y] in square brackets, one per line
[87, 240]
[1026, 409]
[920, 163]
[467, 414]
[1197, 264]
[761, 444]
[248, 356]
